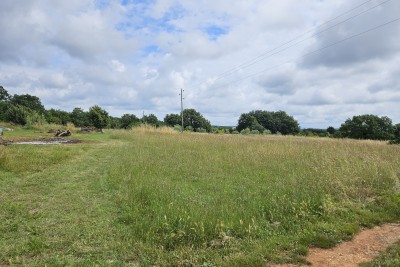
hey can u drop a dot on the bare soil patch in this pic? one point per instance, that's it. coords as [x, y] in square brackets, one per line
[364, 247]
[43, 141]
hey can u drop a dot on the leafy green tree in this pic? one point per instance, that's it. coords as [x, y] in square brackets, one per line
[17, 114]
[79, 117]
[172, 120]
[57, 116]
[98, 117]
[4, 96]
[396, 134]
[129, 120]
[114, 123]
[367, 127]
[29, 101]
[150, 119]
[3, 108]
[194, 119]
[275, 122]
[331, 130]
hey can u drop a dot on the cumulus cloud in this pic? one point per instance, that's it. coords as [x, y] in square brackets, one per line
[134, 56]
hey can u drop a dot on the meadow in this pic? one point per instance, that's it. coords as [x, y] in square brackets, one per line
[149, 197]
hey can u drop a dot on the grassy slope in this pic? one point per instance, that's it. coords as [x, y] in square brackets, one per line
[190, 199]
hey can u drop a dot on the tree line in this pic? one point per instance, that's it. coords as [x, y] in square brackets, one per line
[28, 110]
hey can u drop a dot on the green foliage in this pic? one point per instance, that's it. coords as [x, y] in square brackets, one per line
[17, 114]
[57, 116]
[4, 96]
[99, 118]
[273, 121]
[195, 120]
[367, 127]
[331, 130]
[28, 101]
[201, 130]
[79, 117]
[34, 120]
[172, 120]
[314, 132]
[129, 120]
[396, 134]
[245, 131]
[150, 119]
[254, 132]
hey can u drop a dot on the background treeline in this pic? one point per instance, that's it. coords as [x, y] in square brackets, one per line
[27, 110]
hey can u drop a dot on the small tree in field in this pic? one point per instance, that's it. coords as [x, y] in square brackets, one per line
[98, 117]
[396, 134]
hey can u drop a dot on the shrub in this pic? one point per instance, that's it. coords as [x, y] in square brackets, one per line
[254, 132]
[245, 131]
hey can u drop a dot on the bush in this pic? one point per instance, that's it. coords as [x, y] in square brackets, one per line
[235, 132]
[245, 131]
[254, 132]
[201, 130]
[189, 128]
[178, 127]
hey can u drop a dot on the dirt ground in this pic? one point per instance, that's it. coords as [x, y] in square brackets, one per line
[43, 141]
[365, 246]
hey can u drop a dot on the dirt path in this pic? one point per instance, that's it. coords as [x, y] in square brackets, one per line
[365, 246]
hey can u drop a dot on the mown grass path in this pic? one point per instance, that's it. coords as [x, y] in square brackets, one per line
[60, 214]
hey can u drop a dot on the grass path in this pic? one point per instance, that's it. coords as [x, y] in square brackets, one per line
[61, 214]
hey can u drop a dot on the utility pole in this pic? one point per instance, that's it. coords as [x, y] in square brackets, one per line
[181, 94]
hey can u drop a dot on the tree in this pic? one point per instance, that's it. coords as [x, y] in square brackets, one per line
[367, 127]
[150, 119]
[29, 101]
[330, 130]
[195, 120]
[98, 117]
[79, 117]
[4, 96]
[172, 120]
[17, 114]
[275, 122]
[57, 116]
[396, 134]
[129, 120]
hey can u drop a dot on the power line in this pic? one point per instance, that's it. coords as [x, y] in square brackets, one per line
[313, 52]
[269, 53]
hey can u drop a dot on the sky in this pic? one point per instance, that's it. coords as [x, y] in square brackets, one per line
[321, 61]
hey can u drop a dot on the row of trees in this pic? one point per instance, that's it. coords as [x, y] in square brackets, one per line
[27, 109]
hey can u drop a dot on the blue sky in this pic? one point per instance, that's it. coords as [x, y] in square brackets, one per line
[134, 56]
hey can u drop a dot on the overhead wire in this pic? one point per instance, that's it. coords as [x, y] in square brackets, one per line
[312, 52]
[273, 51]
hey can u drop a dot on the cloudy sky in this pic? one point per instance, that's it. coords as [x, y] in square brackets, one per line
[321, 61]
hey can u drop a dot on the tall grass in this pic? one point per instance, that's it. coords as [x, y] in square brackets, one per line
[145, 198]
[244, 196]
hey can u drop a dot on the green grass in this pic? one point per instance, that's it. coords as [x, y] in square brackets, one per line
[149, 198]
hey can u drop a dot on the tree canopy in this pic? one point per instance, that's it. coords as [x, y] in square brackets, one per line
[129, 120]
[367, 127]
[275, 122]
[98, 117]
[172, 120]
[193, 119]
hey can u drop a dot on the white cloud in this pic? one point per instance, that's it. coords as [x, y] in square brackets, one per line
[136, 57]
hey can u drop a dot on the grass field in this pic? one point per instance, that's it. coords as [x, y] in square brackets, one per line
[160, 198]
